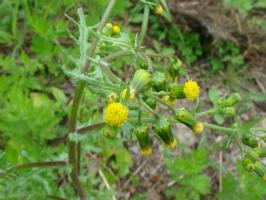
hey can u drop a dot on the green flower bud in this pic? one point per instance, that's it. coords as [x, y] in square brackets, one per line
[185, 117]
[142, 135]
[229, 111]
[141, 64]
[249, 140]
[140, 80]
[164, 130]
[252, 154]
[177, 92]
[230, 101]
[151, 102]
[175, 67]
[159, 81]
[259, 170]
[261, 152]
[248, 164]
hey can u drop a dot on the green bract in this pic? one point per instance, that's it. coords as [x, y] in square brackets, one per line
[141, 133]
[164, 130]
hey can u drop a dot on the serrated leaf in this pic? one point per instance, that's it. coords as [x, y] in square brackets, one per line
[74, 137]
[83, 38]
[59, 95]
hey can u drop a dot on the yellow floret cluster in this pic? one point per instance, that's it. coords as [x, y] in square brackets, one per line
[191, 90]
[115, 114]
[131, 94]
[146, 152]
[116, 29]
[172, 144]
[198, 128]
[159, 9]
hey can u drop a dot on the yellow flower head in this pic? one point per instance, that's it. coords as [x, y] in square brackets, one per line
[146, 152]
[131, 94]
[115, 114]
[159, 9]
[172, 144]
[198, 128]
[116, 29]
[191, 90]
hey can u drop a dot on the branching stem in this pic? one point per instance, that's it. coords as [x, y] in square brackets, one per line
[74, 156]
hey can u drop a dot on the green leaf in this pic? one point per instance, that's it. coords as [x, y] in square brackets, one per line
[83, 39]
[247, 126]
[59, 95]
[218, 118]
[213, 95]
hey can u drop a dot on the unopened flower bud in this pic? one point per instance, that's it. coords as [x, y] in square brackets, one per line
[151, 102]
[164, 130]
[259, 170]
[177, 92]
[230, 101]
[229, 111]
[185, 117]
[159, 81]
[175, 67]
[168, 100]
[142, 135]
[261, 152]
[249, 140]
[140, 80]
[248, 164]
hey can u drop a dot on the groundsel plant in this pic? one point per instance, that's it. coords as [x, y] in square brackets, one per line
[136, 102]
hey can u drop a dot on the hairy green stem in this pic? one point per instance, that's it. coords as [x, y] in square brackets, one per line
[207, 112]
[148, 108]
[116, 54]
[73, 148]
[90, 127]
[162, 102]
[228, 131]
